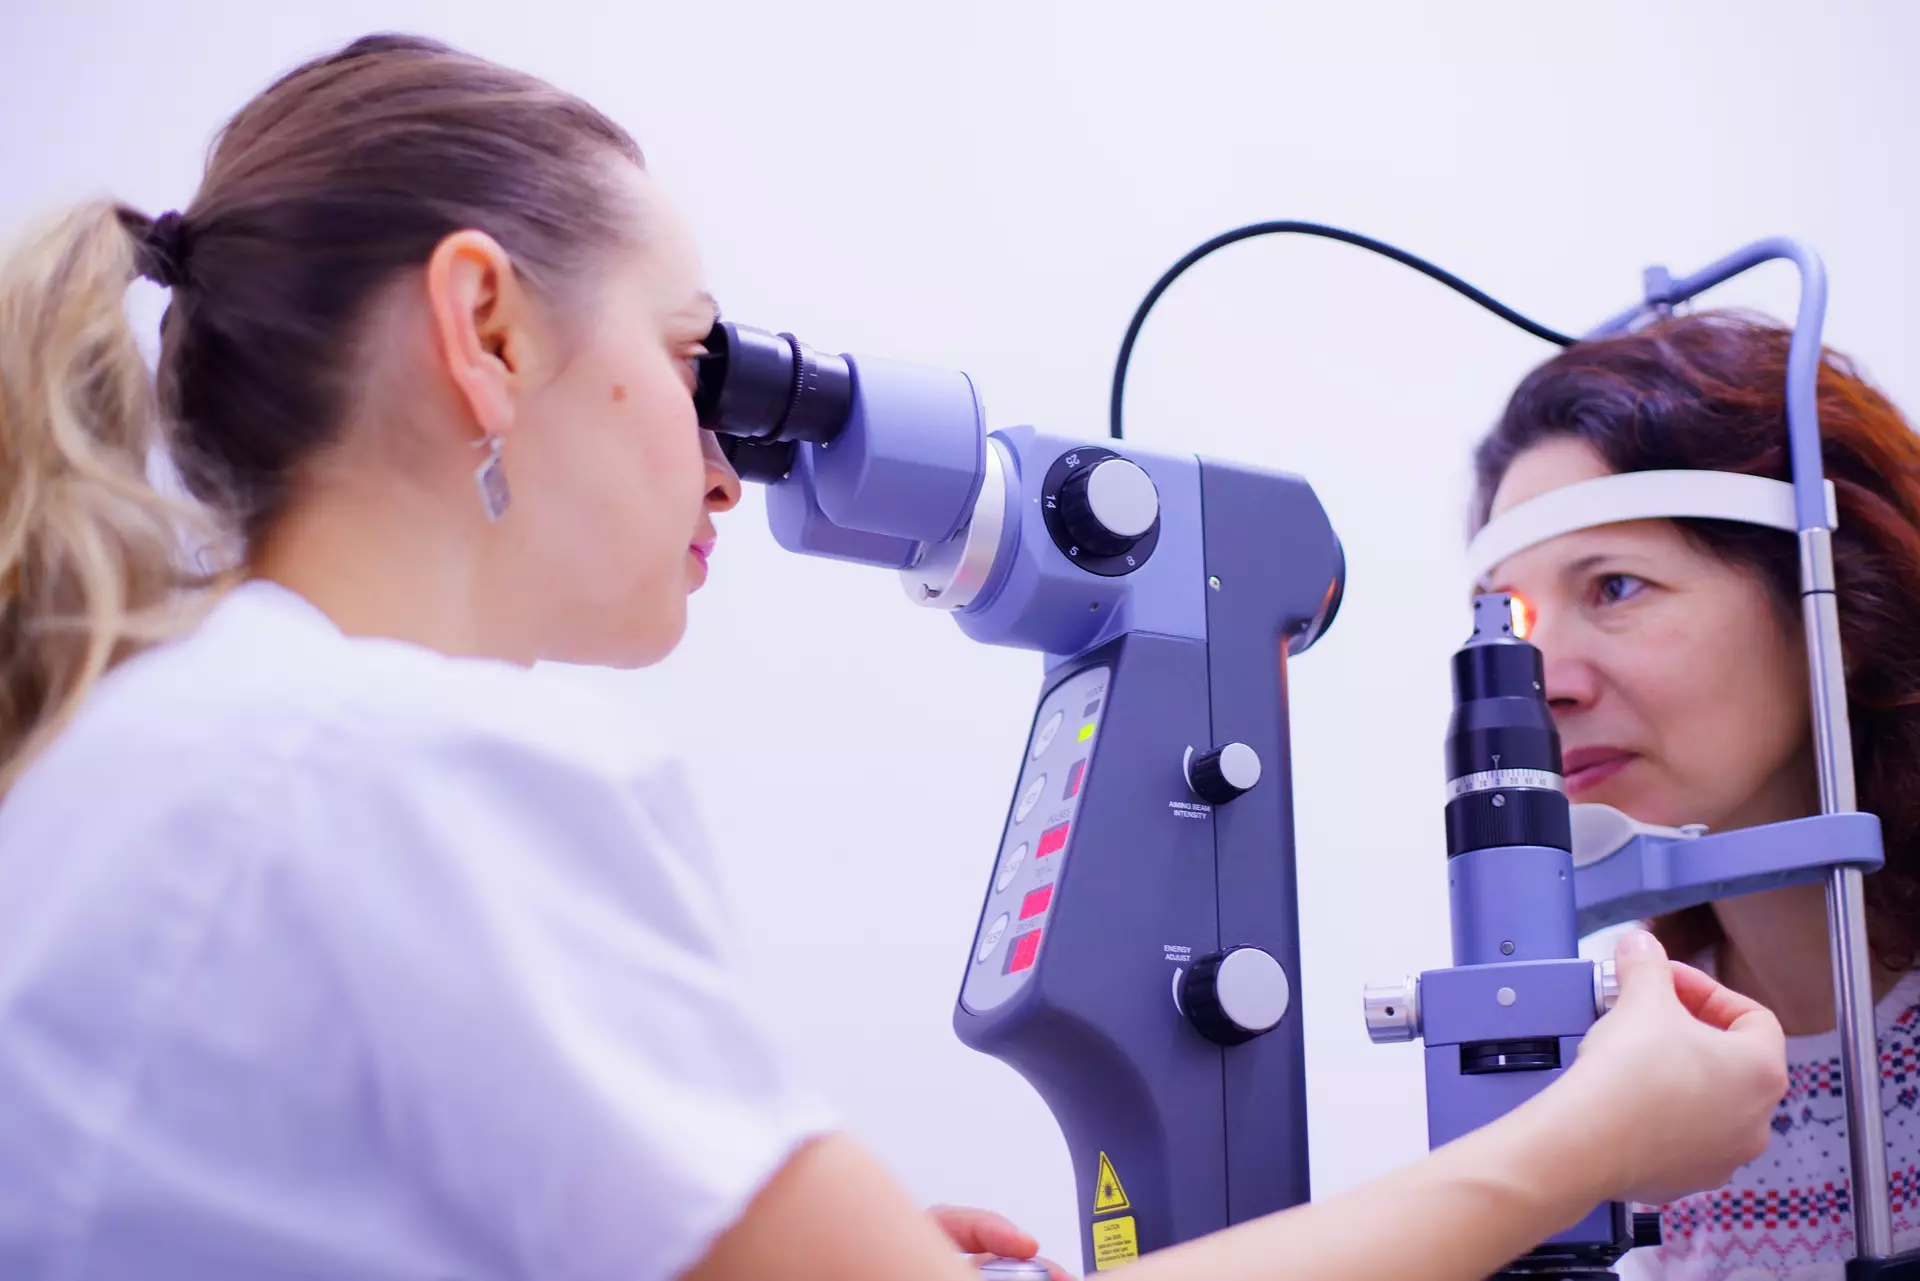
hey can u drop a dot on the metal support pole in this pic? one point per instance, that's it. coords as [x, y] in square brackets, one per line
[1833, 739]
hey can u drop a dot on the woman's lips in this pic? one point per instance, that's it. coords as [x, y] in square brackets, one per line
[701, 553]
[1588, 767]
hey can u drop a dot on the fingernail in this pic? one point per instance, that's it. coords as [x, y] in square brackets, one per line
[1637, 941]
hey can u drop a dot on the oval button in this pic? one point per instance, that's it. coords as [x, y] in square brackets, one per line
[991, 939]
[1010, 866]
[1030, 799]
[1044, 739]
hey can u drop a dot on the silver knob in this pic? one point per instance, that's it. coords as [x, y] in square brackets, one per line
[1122, 498]
[1393, 1011]
[1606, 988]
[1014, 1270]
[1233, 996]
[1218, 776]
[1108, 507]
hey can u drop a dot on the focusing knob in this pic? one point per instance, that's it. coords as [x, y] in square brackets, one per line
[1606, 988]
[1393, 1011]
[1235, 995]
[1109, 506]
[1218, 776]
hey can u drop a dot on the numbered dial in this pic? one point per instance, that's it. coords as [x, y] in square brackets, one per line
[1109, 506]
[1102, 511]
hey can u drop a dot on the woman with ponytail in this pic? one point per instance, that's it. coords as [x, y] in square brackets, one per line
[335, 944]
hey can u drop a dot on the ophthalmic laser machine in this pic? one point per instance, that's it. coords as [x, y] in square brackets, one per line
[1136, 955]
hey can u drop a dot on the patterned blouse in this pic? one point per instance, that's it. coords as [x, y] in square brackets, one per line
[1787, 1215]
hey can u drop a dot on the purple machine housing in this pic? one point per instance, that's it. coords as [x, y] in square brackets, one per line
[1136, 956]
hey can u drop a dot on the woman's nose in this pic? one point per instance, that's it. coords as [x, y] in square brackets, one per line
[1570, 686]
[723, 483]
[1571, 678]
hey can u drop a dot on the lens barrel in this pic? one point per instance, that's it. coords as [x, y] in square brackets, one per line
[1504, 775]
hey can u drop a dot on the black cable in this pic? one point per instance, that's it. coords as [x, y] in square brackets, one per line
[1306, 229]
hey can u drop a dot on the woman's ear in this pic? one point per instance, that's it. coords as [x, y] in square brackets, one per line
[482, 319]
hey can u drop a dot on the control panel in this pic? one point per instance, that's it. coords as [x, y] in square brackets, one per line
[1037, 839]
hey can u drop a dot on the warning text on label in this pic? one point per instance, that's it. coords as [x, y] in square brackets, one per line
[1114, 1243]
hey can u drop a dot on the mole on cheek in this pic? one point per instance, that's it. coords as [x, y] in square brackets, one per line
[619, 393]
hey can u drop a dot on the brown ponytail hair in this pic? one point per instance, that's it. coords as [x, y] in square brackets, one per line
[324, 190]
[1708, 391]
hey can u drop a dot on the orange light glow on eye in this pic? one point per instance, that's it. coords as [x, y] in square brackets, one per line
[1522, 617]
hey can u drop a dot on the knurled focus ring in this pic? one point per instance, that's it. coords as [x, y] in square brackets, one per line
[801, 357]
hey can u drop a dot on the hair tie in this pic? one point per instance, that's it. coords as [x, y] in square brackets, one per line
[166, 251]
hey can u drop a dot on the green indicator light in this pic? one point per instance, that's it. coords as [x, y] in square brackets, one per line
[1086, 732]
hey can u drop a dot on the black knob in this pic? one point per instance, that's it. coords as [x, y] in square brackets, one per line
[1108, 506]
[1233, 996]
[1218, 776]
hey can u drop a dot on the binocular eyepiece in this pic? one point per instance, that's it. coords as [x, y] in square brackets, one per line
[762, 393]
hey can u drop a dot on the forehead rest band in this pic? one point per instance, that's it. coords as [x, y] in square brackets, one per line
[1635, 495]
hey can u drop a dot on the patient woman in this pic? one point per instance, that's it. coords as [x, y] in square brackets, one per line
[1678, 678]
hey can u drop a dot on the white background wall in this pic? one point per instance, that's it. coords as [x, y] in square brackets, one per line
[992, 186]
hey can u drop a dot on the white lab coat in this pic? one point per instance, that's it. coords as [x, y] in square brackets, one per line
[330, 957]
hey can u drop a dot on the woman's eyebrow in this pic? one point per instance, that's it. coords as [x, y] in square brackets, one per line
[1616, 559]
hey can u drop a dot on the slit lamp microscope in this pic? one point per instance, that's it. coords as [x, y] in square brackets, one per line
[1136, 956]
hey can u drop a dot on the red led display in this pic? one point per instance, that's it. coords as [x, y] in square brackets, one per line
[1074, 775]
[1025, 948]
[1052, 841]
[1036, 902]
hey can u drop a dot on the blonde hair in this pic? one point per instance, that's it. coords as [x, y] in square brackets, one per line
[338, 177]
[90, 563]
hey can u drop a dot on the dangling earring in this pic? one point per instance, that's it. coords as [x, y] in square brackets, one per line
[491, 478]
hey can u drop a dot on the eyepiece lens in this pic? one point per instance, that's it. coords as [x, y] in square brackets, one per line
[771, 387]
[745, 383]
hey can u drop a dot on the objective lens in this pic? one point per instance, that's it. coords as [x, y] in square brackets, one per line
[771, 388]
[1504, 777]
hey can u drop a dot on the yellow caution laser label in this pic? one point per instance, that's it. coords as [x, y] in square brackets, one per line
[1108, 1196]
[1114, 1243]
